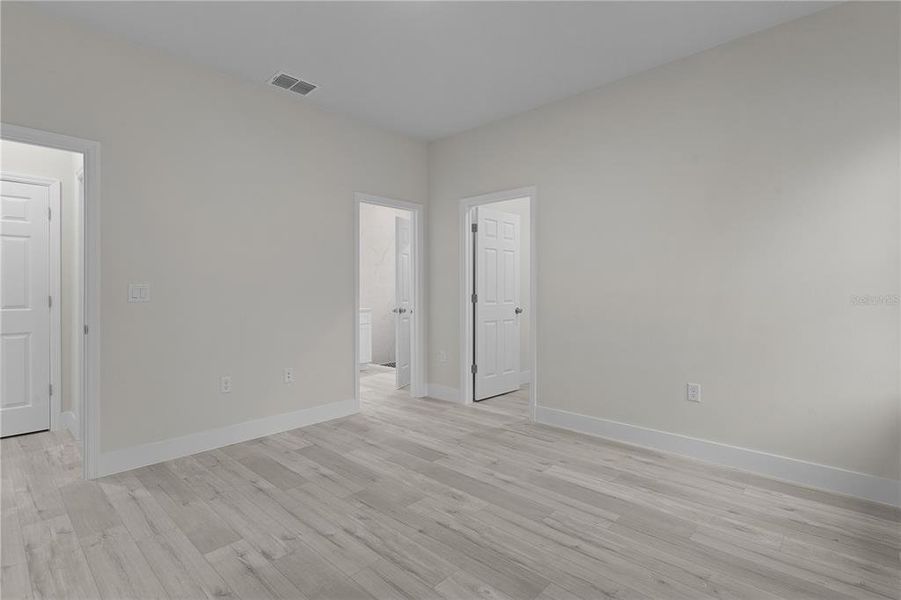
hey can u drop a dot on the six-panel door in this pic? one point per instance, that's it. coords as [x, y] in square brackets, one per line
[497, 288]
[24, 309]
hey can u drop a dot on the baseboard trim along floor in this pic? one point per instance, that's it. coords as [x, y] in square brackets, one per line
[831, 479]
[69, 420]
[133, 457]
[444, 392]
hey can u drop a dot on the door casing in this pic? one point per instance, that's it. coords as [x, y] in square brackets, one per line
[418, 342]
[89, 410]
[466, 288]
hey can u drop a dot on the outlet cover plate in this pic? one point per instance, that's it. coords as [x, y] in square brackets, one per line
[693, 392]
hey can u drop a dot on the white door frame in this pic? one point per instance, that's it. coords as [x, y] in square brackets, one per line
[418, 322]
[466, 314]
[89, 411]
[53, 268]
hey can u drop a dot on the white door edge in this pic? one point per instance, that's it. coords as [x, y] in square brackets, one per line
[403, 301]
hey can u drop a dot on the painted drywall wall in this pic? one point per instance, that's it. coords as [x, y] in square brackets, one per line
[713, 221]
[520, 206]
[24, 159]
[234, 201]
[377, 275]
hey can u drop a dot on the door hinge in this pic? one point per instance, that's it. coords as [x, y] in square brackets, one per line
[49, 301]
[85, 329]
[475, 227]
[49, 214]
[475, 369]
[474, 298]
[51, 389]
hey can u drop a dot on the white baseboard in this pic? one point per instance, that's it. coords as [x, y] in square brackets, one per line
[126, 459]
[832, 479]
[69, 420]
[525, 377]
[443, 392]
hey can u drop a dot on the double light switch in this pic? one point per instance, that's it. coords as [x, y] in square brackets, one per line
[139, 292]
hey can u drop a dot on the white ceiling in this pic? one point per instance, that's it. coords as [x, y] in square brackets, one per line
[430, 69]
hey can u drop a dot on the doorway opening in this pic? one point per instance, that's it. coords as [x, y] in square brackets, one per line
[388, 283]
[49, 304]
[498, 305]
[41, 224]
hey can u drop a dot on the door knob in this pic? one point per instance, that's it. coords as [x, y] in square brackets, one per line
[401, 310]
[518, 310]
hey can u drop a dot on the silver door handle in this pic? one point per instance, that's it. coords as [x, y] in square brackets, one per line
[517, 310]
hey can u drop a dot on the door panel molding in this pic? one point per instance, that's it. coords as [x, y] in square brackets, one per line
[497, 324]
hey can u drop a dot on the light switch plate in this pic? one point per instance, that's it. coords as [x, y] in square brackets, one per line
[139, 292]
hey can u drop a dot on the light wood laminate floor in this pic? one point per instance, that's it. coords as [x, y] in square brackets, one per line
[425, 499]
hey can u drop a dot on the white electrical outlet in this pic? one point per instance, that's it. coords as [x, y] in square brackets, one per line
[225, 384]
[442, 356]
[289, 375]
[693, 392]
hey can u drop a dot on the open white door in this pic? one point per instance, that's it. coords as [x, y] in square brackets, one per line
[24, 307]
[496, 303]
[403, 295]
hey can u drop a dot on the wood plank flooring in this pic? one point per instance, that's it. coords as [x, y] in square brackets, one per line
[425, 499]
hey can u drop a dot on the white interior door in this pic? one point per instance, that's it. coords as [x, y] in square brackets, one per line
[24, 307]
[403, 296]
[497, 303]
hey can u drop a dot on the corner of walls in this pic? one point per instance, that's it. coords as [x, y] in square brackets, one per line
[589, 156]
[444, 392]
[69, 420]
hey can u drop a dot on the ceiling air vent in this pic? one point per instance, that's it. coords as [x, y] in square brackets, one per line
[293, 84]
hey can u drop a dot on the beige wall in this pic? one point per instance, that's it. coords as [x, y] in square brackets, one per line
[233, 200]
[24, 159]
[377, 274]
[709, 221]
